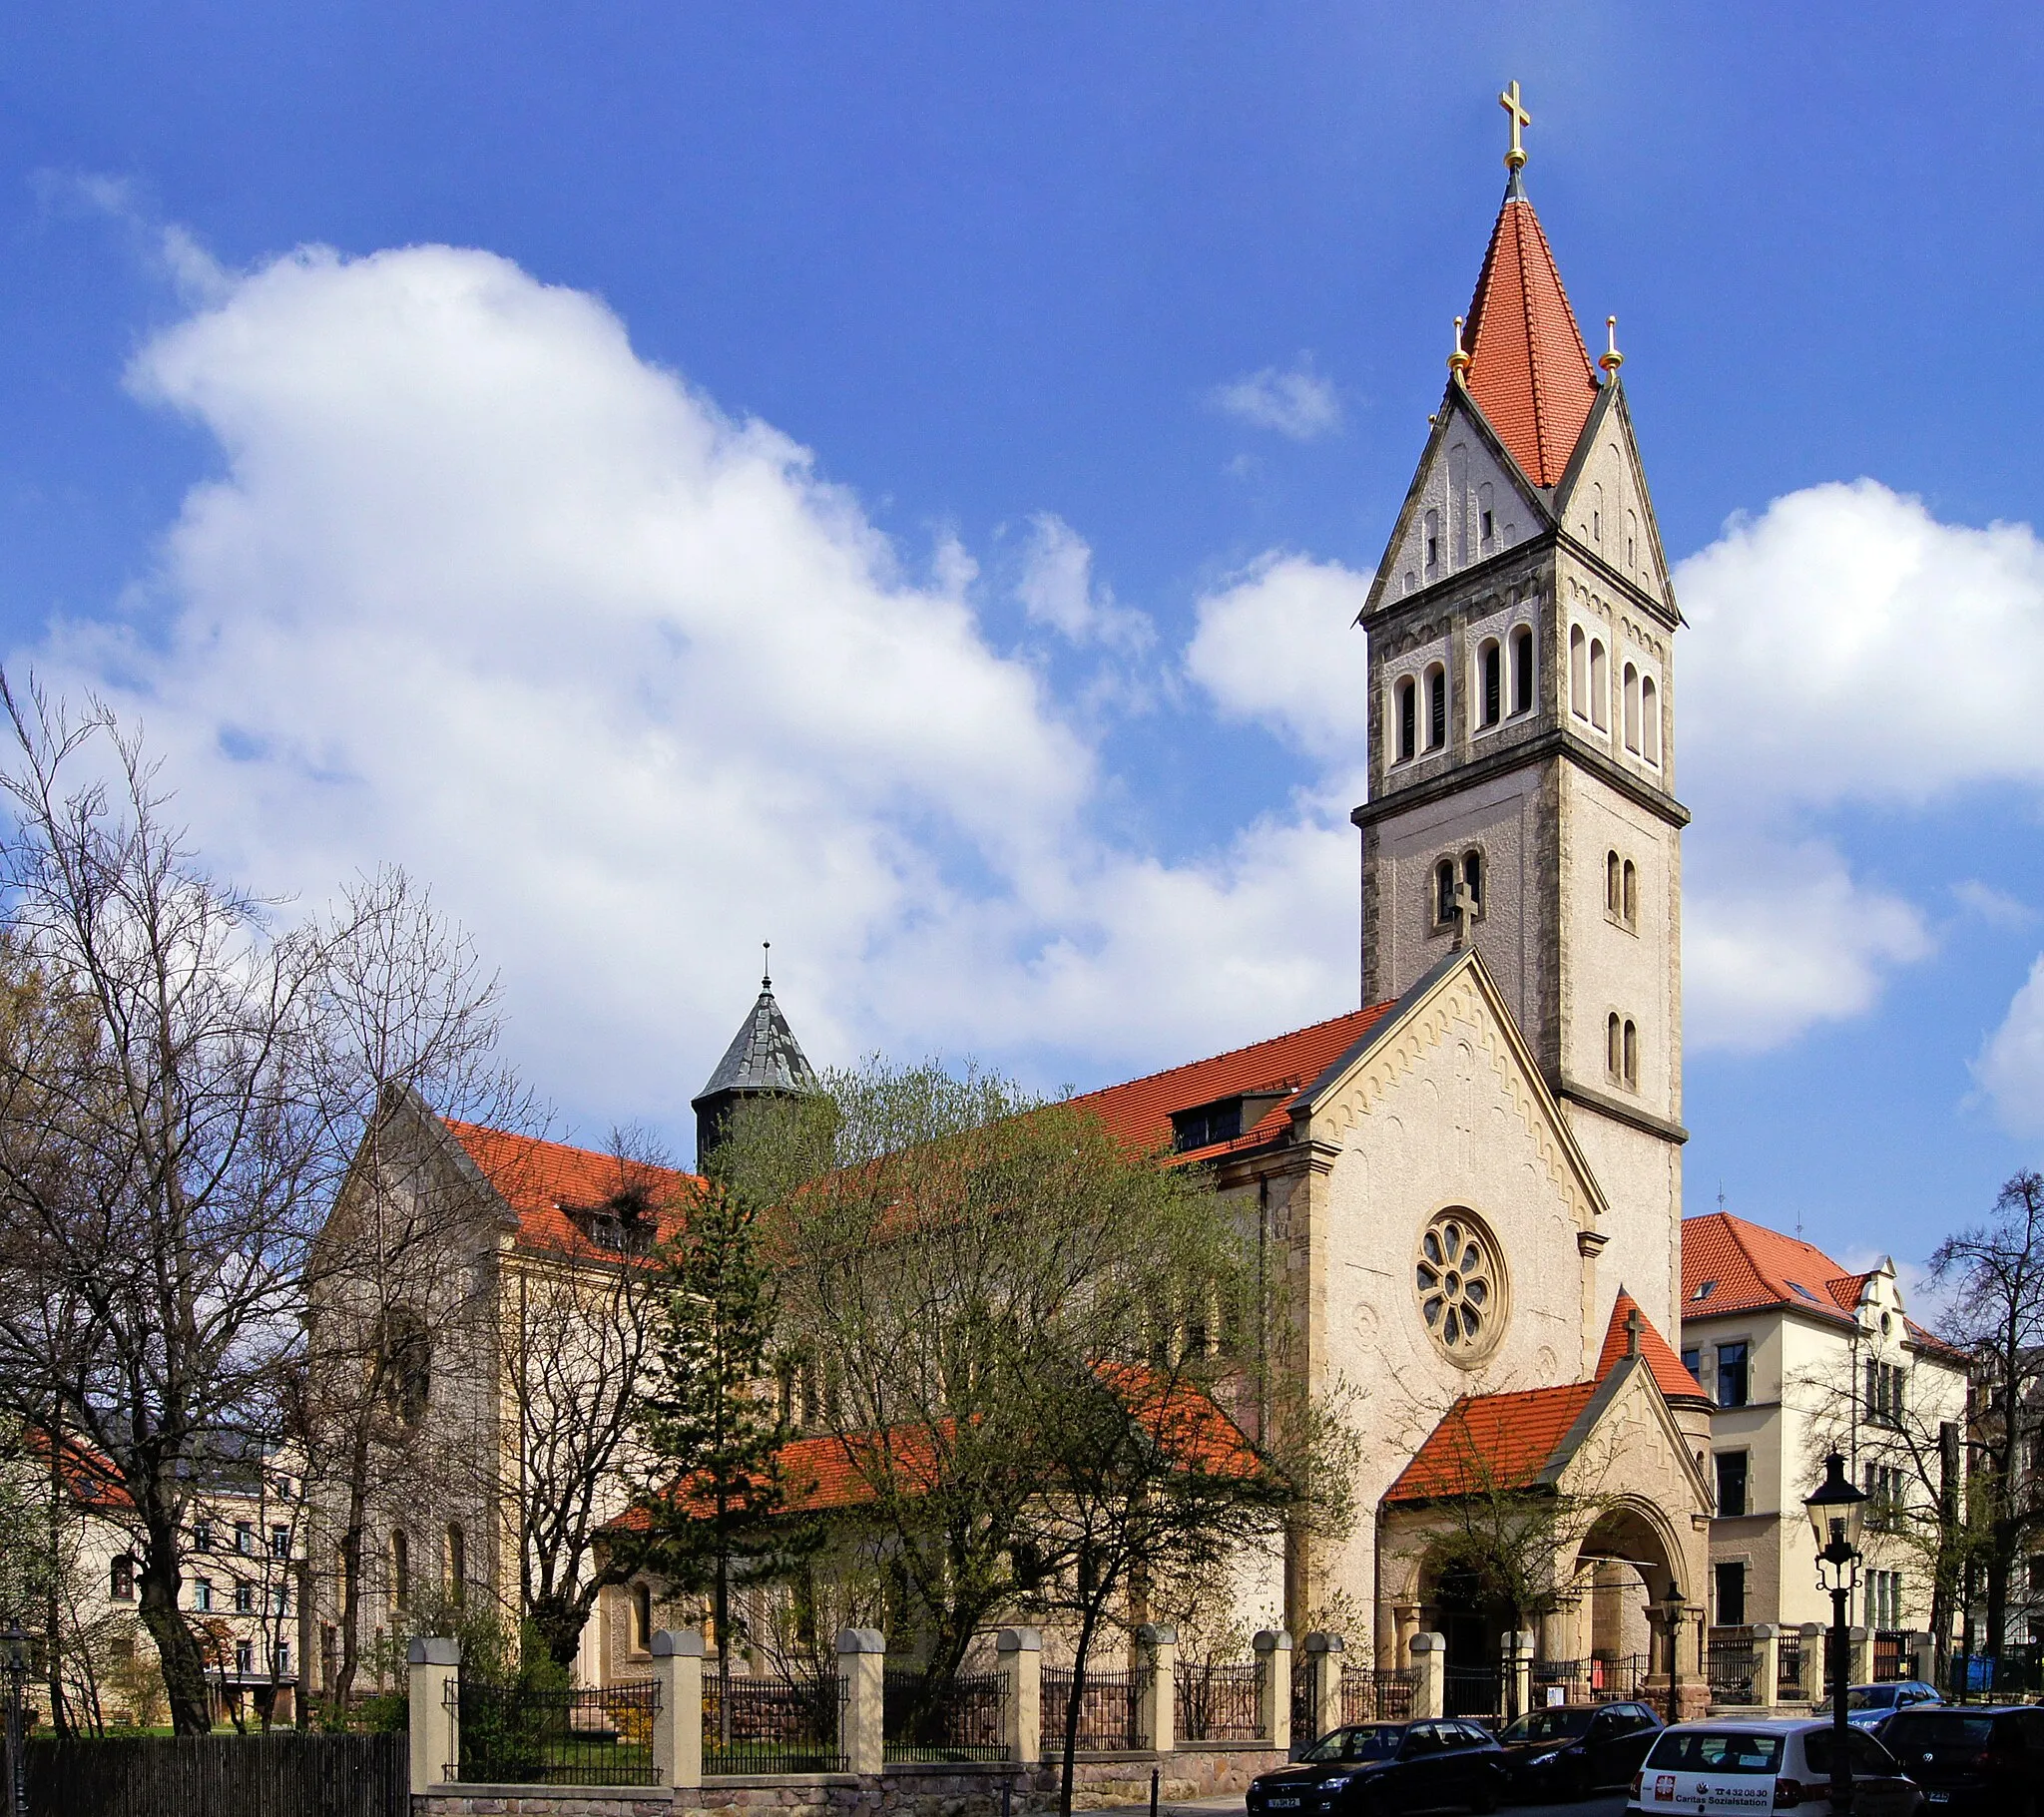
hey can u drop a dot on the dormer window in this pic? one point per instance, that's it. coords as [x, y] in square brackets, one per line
[1704, 1290]
[622, 1225]
[1202, 1126]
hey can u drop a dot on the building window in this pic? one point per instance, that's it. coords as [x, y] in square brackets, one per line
[406, 1358]
[1731, 1483]
[1730, 1577]
[1203, 1126]
[1613, 1046]
[279, 1541]
[202, 1593]
[1433, 542]
[457, 1564]
[281, 1659]
[244, 1538]
[1459, 1284]
[201, 1534]
[1579, 672]
[400, 1569]
[1693, 1361]
[1632, 708]
[641, 1617]
[1649, 720]
[1631, 1071]
[1731, 1375]
[1488, 525]
[1600, 686]
[1522, 670]
[244, 1598]
[1491, 663]
[1884, 1383]
[1472, 880]
[1408, 720]
[1629, 896]
[1884, 1600]
[1613, 871]
[1888, 1495]
[121, 1588]
[1445, 892]
[245, 1658]
[1436, 707]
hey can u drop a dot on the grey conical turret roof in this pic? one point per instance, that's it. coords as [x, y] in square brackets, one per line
[763, 1055]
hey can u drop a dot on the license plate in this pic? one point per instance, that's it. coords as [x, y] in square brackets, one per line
[1281, 1804]
[1939, 1798]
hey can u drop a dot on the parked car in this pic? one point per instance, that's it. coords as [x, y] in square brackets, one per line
[1388, 1766]
[1975, 1757]
[1869, 1706]
[1573, 1750]
[1698, 1768]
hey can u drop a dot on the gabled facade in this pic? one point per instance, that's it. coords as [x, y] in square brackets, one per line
[1800, 1354]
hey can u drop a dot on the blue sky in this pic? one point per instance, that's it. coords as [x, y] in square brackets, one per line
[894, 479]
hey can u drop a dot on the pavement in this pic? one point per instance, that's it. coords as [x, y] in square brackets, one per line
[1606, 1804]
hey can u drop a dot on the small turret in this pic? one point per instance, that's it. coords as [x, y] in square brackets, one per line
[764, 1061]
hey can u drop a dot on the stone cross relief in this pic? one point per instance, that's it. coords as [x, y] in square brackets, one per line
[1465, 915]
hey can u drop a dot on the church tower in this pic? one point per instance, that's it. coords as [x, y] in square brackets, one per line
[764, 1061]
[1522, 733]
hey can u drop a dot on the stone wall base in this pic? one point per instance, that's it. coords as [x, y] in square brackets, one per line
[1098, 1783]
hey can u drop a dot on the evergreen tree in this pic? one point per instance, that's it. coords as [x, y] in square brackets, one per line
[708, 1419]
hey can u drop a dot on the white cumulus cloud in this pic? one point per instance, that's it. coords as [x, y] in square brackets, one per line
[1057, 589]
[2010, 1067]
[479, 591]
[1293, 400]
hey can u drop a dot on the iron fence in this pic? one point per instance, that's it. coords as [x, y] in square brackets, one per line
[774, 1725]
[1572, 1676]
[280, 1775]
[1474, 1691]
[1731, 1666]
[1621, 1679]
[522, 1734]
[1377, 1693]
[1108, 1711]
[1788, 1668]
[1218, 1704]
[1306, 1701]
[2017, 1671]
[959, 1718]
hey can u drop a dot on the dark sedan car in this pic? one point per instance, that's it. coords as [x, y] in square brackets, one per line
[1431, 1765]
[1973, 1757]
[1570, 1752]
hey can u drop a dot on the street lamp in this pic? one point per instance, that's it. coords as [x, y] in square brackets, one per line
[14, 1661]
[1836, 1513]
[1673, 1608]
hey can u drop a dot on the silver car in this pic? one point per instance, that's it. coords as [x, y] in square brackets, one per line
[1714, 1769]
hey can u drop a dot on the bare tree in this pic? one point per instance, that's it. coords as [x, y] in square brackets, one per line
[179, 1099]
[1993, 1277]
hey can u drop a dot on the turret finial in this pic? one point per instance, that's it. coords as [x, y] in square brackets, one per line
[1515, 159]
[766, 970]
[1611, 358]
[1459, 361]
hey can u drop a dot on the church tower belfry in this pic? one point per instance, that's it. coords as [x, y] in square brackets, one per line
[1521, 636]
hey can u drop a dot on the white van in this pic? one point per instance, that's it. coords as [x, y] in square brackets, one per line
[1700, 1768]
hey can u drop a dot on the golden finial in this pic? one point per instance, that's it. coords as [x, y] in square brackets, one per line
[1509, 101]
[1611, 358]
[1458, 361]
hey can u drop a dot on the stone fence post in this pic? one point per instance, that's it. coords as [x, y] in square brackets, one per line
[862, 1665]
[1816, 1646]
[1767, 1662]
[1516, 1658]
[678, 1723]
[1431, 1661]
[1922, 1652]
[1157, 1659]
[1323, 1660]
[1273, 1686]
[435, 1669]
[1021, 1656]
[1859, 1645]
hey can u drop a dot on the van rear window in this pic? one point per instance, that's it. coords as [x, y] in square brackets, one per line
[1708, 1751]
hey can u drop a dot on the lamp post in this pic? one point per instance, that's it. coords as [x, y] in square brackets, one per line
[1674, 1607]
[1836, 1512]
[14, 1661]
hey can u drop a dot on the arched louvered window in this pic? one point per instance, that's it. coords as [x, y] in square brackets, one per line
[1632, 708]
[1408, 720]
[1436, 707]
[1613, 1046]
[1600, 686]
[1629, 908]
[1579, 672]
[1649, 719]
[1611, 882]
[1472, 875]
[1522, 670]
[1445, 892]
[1631, 1057]
[1490, 672]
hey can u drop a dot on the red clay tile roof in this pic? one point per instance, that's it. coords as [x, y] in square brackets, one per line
[1750, 1266]
[1675, 1382]
[541, 1181]
[1489, 1441]
[1139, 1113]
[1529, 372]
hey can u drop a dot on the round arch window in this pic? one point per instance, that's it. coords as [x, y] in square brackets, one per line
[1460, 1284]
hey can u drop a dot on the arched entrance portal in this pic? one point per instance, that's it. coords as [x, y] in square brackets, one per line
[1626, 1570]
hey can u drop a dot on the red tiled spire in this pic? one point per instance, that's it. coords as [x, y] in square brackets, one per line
[1529, 371]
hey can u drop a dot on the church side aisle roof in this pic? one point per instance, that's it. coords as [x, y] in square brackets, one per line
[1529, 372]
[1138, 1111]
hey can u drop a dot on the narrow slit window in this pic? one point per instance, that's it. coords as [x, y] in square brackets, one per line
[1436, 707]
[1632, 708]
[1492, 664]
[1632, 1056]
[1600, 686]
[1630, 906]
[1408, 720]
[1445, 892]
[1472, 875]
[1614, 1044]
[1434, 541]
[1649, 719]
[1611, 882]
[1579, 672]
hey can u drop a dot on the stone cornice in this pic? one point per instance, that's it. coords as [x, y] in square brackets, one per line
[1605, 1105]
[1524, 753]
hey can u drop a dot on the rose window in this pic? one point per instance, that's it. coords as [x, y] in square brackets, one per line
[1458, 1278]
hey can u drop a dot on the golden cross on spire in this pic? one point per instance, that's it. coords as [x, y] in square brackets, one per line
[1509, 101]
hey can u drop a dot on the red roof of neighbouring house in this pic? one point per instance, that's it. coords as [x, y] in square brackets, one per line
[1669, 1376]
[1747, 1266]
[87, 1478]
[1529, 371]
[1139, 1113]
[1490, 1442]
[543, 1181]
